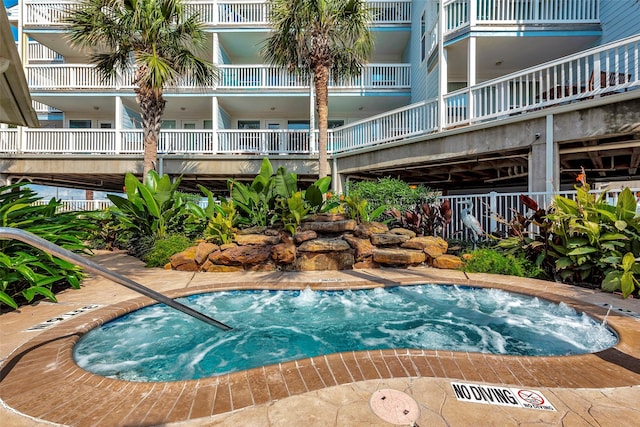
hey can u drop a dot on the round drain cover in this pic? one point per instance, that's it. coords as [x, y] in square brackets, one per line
[395, 407]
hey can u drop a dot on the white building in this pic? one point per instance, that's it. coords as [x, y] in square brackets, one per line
[435, 67]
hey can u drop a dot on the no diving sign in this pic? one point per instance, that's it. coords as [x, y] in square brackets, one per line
[505, 396]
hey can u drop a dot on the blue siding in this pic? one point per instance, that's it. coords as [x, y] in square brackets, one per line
[620, 19]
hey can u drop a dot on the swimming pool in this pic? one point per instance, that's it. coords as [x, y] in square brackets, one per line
[158, 344]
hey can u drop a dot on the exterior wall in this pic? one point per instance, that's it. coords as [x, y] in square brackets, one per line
[418, 67]
[620, 19]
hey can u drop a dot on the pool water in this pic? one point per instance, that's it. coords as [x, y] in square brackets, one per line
[157, 343]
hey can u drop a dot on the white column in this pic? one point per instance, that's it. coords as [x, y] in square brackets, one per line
[551, 177]
[442, 68]
[215, 125]
[471, 75]
[312, 119]
[119, 119]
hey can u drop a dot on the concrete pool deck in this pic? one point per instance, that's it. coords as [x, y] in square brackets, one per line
[41, 385]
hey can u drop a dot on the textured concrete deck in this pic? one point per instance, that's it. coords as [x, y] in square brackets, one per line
[41, 385]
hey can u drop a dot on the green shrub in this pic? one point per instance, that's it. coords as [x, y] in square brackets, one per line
[163, 249]
[26, 272]
[492, 261]
[391, 192]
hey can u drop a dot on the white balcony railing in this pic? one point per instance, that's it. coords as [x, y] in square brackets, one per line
[215, 13]
[596, 72]
[464, 13]
[52, 77]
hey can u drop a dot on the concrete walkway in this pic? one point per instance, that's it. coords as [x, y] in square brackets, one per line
[40, 384]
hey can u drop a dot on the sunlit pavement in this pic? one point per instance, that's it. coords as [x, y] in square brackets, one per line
[40, 384]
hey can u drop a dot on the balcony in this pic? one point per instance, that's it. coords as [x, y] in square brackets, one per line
[460, 14]
[63, 77]
[216, 13]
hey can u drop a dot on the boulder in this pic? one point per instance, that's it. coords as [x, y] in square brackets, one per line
[210, 267]
[324, 245]
[185, 257]
[241, 255]
[284, 253]
[366, 263]
[398, 256]
[388, 239]
[257, 229]
[203, 250]
[403, 232]
[366, 229]
[303, 236]
[256, 239]
[309, 261]
[451, 262]
[363, 247]
[432, 246]
[330, 226]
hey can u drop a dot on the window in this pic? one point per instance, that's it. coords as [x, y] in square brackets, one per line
[335, 123]
[80, 124]
[248, 124]
[168, 124]
[423, 35]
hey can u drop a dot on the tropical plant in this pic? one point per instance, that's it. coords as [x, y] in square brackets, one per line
[583, 241]
[151, 211]
[220, 228]
[322, 39]
[25, 271]
[159, 39]
[272, 198]
[359, 209]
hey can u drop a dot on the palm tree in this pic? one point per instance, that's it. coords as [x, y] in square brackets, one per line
[159, 39]
[321, 38]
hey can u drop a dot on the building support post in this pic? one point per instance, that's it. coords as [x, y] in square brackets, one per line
[544, 173]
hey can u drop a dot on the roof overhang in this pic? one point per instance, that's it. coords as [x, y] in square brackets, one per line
[15, 100]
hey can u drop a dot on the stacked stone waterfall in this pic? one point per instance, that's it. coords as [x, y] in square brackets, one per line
[325, 242]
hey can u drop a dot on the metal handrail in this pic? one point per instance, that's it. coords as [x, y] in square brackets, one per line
[51, 248]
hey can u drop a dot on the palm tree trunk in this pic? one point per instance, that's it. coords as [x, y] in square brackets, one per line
[321, 82]
[152, 106]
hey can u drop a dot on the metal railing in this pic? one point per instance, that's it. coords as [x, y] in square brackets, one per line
[92, 267]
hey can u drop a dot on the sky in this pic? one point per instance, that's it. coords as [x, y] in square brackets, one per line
[47, 193]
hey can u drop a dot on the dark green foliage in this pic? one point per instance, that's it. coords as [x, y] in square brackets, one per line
[391, 192]
[275, 198]
[26, 272]
[488, 260]
[585, 241]
[153, 210]
[163, 249]
[108, 232]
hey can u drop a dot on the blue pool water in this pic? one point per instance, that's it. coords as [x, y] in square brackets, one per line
[157, 343]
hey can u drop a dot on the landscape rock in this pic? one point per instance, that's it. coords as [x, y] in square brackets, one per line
[303, 236]
[387, 239]
[324, 245]
[284, 253]
[363, 247]
[330, 226]
[398, 256]
[241, 255]
[366, 229]
[185, 257]
[203, 250]
[256, 239]
[403, 232]
[310, 261]
[447, 262]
